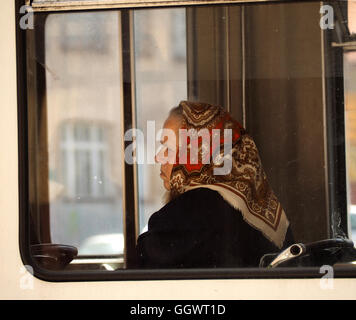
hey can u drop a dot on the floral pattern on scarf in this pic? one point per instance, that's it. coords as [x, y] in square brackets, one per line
[245, 187]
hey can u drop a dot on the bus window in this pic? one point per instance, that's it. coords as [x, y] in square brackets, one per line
[101, 83]
[83, 125]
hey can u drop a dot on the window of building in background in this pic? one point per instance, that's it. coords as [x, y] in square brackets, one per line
[84, 161]
[179, 38]
[87, 32]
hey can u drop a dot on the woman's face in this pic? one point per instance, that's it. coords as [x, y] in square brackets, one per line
[169, 152]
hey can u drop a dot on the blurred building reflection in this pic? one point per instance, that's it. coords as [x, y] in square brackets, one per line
[84, 100]
[161, 83]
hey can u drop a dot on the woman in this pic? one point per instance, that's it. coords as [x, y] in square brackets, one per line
[212, 220]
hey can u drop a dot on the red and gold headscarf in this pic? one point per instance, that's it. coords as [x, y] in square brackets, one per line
[245, 186]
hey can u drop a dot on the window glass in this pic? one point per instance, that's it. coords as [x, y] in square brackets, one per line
[161, 83]
[84, 116]
[94, 75]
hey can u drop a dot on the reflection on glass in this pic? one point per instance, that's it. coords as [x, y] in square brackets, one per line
[350, 117]
[161, 82]
[84, 131]
[265, 72]
[350, 120]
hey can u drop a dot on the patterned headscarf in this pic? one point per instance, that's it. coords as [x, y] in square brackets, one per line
[245, 187]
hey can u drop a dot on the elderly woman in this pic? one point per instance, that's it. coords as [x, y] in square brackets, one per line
[212, 220]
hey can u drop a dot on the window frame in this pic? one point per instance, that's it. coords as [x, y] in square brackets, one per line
[344, 42]
[23, 40]
[65, 5]
[334, 104]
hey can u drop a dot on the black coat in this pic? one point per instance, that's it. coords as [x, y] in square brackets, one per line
[200, 229]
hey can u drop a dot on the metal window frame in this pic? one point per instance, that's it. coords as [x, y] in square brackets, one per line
[340, 271]
[64, 5]
[335, 122]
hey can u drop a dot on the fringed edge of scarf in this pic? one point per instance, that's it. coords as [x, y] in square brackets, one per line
[276, 236]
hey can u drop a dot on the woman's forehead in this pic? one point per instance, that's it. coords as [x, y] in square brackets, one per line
[172, 123]
[171, 127]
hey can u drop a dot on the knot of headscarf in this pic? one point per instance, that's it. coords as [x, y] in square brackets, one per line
[245, 185]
